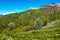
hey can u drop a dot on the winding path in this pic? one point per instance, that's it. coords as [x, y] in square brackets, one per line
[51, 24]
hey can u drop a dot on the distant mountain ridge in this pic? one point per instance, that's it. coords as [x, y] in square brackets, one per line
[1, 14]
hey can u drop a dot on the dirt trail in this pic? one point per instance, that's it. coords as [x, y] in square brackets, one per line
[51, 24]
[47, 26]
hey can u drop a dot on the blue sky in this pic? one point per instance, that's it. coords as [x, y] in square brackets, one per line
[10, 6]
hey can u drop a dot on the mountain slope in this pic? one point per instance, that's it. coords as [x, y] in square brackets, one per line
[51, 24]
[46, 13]
[23, 25]
[51, 33]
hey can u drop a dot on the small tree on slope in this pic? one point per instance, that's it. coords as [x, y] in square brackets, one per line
[11, 25]
[38, 23]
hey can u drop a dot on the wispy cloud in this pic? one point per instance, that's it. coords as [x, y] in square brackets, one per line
[7, 13]
[33, 8]
[4, 12]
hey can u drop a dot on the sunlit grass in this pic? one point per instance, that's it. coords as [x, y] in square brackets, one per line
[51, 33]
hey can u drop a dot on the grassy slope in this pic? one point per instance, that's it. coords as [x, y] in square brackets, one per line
[51, 33]
[27, 18]
[21, 19]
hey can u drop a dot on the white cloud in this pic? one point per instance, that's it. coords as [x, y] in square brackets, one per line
[4, 12]
[33, 8]
[7, 13]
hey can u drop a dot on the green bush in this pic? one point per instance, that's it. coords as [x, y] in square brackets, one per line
[38, 23]
[11, 25]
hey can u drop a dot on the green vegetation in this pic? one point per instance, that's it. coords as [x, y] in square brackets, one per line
[11, 25]
[51, 33]
[38, 23]
[22, 19]
[28, 25]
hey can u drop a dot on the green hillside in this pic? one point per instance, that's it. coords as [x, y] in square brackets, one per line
[50, 33]
[32, 24]
[46, 13]
[22, 19]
